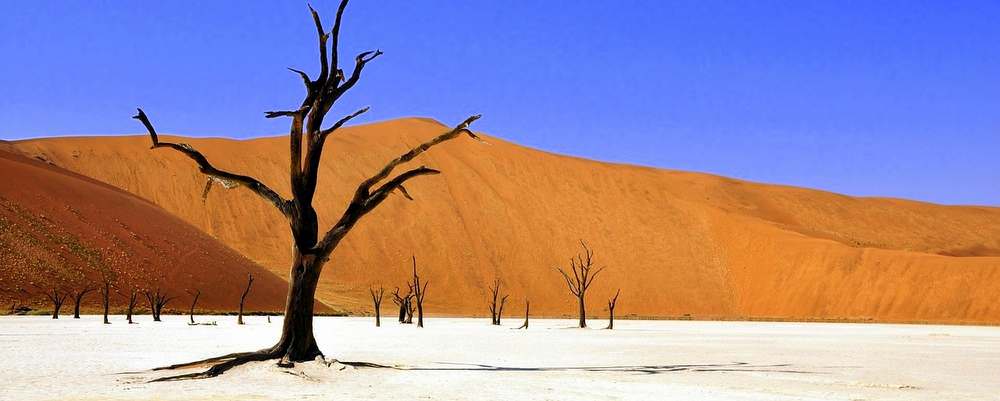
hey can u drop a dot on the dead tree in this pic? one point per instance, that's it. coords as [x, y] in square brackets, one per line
[497, 302]
[156, 303]
[194, 301]
[583, 275]
[611, 310]
[310, 250]
[132, 300]
[418, 294]
[377, 302]
[57, 298]
[77, 298]
[243, 298]
[527, 306]
[106, 299]
[405, 305]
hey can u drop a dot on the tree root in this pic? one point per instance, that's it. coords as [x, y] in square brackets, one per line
[226, 362]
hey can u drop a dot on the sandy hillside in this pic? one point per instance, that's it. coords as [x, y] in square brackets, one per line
[675, 242]
[61, 229]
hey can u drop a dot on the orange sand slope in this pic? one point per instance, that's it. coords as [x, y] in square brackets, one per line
[61, 229]
[676, 243]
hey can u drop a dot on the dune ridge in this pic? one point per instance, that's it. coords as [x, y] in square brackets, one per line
[676, 243]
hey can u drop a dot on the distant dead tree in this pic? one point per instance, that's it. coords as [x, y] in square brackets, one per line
[77, 298]
[57, 298]
[583, 275]
[311, 250]
[132, 300]
[106, 298]
[405, 305]
[527, 307]
[194, 301]
[156, 303]
[496, 302]
[377, 302]
[243, 298]
[611, 310]
[418, 294]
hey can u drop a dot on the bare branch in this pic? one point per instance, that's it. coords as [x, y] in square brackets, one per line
[206, 168]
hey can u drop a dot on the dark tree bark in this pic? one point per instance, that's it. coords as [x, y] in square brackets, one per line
[78, 298]
[57, 298]
[405, 304]
[132, 300]
[583, 275]
[527, 307]
[496, 302]
[106, 299]
[311, 250]
[156, 303]
[419, 293]
[243, 298]
[377, 303]
[611, 310]
[194, 301]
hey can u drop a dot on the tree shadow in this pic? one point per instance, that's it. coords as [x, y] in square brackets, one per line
[643, 369]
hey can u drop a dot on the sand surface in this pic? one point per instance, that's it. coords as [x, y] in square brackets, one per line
[459, 359]
[60, 230]
[675, 242]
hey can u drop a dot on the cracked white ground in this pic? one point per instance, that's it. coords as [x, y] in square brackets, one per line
[468, 359]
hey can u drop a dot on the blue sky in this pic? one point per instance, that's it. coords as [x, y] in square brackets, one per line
[870, 98]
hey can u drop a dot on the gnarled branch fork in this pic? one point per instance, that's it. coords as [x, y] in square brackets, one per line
[307, 137]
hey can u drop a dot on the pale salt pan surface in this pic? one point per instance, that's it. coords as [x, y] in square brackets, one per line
[467, 359]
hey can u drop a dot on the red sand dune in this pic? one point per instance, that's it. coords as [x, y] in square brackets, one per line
[58, 228]
[676, 243]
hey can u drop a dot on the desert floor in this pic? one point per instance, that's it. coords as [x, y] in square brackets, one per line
[469, 359]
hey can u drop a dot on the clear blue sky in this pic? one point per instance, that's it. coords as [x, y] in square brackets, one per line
[882, 98]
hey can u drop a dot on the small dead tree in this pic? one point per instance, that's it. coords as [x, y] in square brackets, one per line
[78, 298]
[496, 302]
[106, 298]
[243, 298]
[405, 304]
[57, 298]
[156, 303]
[377, 302]
[132, 301]
[584, 274]
[611, 310]
[418, 296]
[527, 307]
[194, 301]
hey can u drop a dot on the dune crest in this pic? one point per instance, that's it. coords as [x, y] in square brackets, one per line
[676, 243]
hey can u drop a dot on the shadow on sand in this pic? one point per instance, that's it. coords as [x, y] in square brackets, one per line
[646, 369]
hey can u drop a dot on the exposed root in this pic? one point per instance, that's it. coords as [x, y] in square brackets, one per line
[229, 361]
[209, 360]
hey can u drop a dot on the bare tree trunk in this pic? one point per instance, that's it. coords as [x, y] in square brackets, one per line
[611, 310]
[419, 293]
[527, 306]
[196, 294]
[132, 300]
[77, 298]
[583, 313]
[496, 310]
[297, 342]
[377, 301]
[157, 302]
[243, 298]
[106, 295]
